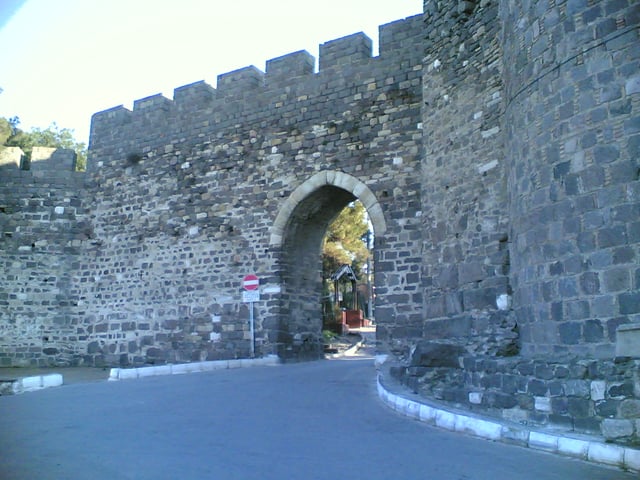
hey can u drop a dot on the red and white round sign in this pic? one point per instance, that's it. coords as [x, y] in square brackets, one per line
[250, 282]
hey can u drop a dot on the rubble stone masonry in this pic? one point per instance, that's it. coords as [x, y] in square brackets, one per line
[495, 146]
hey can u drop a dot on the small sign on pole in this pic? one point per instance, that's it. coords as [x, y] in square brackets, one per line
[250, 296]
[250, 282]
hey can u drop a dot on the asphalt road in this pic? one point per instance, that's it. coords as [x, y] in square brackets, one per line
[320, 420]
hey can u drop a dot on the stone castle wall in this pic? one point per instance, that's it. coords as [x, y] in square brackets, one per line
[495, 147]
[572, 81]
[551, 186]
[466, 257]
[43, 227]
[188, 193]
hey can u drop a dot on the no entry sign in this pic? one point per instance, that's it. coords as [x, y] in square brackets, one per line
[250, 282]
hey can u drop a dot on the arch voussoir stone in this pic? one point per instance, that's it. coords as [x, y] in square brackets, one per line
[321, 179]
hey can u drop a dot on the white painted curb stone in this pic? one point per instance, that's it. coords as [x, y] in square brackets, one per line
[589, 450]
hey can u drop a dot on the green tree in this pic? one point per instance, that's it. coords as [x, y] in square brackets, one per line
[6, 130]
[52, 136]
[345, 241]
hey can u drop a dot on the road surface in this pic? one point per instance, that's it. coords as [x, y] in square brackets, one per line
[319, 420]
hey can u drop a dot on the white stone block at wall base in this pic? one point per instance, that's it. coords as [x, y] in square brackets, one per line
[464, 424]
[213, 365]
[52, 380]
[144, 372]
[632, 459]
[185, 368]
[608, 454]
[127, 373]
[31, 383]
[400, 404]
[573, 447]
[514, 435]
[543, 441]
[413, 410]
[485, 429]
[445, 420]
[427, 413]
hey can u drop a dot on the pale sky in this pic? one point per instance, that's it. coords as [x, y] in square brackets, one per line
[63, 60]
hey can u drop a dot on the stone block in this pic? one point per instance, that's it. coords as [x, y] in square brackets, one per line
[537, 387]
[52, 380]
[629, 408]
[590, 425]
[628, 340]
[471, 272]
[573, 447]
[127, 373]
[514, 435]
[543, 441]
[475, 398]
[629, 303]
[607, 454]
[598, 389]
[632, 459]
[543, 404]
[559, 405]
[613, 428]
[480, 428]
[445, 420]
[427, 414]
[570, 333]
[478, 299]
[579, 407]
[607, 408]
[593, 331]
[544, 371]
[620, 390]
[435, 354]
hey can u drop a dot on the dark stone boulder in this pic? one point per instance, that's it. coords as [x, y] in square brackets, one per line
[436, 354]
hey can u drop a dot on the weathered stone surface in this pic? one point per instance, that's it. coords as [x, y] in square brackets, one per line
[433, 354]
[613, 429]
[495, 150]
[630, 408]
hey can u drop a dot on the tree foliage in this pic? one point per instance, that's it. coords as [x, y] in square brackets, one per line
[52, 136]
[345, 241]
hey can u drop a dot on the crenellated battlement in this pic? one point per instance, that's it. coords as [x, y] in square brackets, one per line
[152, 103]
[50, 162]
[292, 65]
[250, 89]
[493, 143]
[344, 51]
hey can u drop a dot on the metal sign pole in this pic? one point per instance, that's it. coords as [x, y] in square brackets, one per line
[251, 285]
[253, 342]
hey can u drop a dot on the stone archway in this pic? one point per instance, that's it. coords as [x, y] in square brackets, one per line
[296, 237]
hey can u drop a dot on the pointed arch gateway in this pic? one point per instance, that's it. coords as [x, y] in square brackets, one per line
[296, 240]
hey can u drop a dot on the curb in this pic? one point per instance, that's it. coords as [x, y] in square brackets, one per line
[590, 450]
[31, 384]
[349, 351]
[181, 368]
